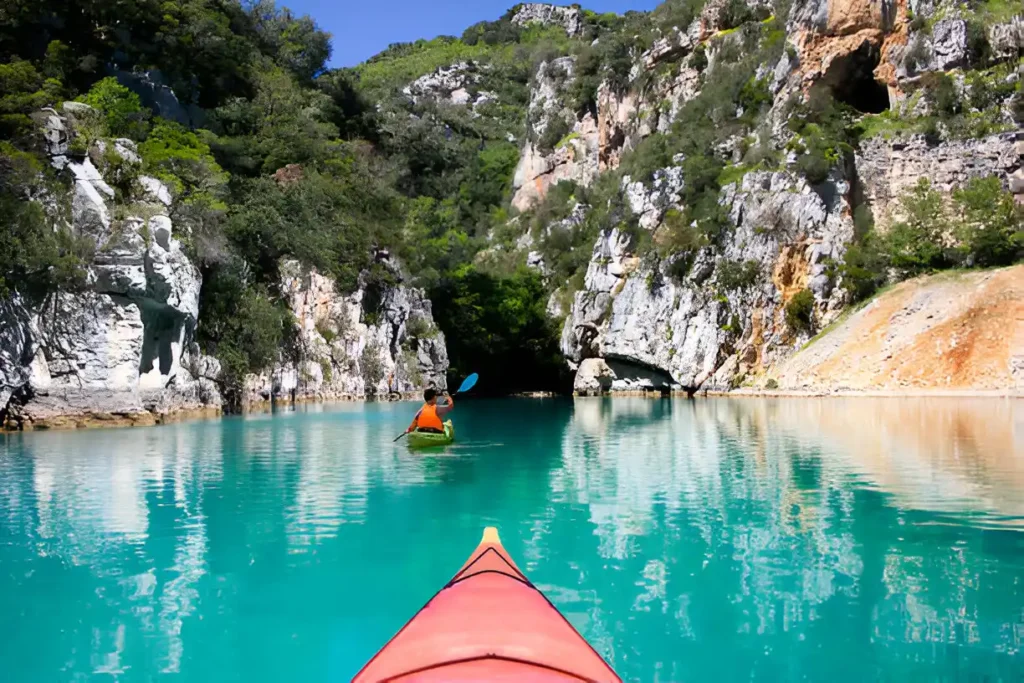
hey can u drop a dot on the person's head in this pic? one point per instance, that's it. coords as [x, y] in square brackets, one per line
[430, 396]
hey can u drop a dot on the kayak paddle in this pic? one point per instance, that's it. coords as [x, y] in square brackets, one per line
[466, 385]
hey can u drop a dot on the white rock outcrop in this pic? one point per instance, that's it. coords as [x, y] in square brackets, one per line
[569, 18]
[350, 346]
[454, 84]
[696, 332]
[125, 346]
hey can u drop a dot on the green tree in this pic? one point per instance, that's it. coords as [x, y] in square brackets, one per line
[243, 326]
[917, 243]
[990, 225]
[332, 222]
[283, 124]
[296, 43]
[487, 181]
[23, 91]
[123, 115]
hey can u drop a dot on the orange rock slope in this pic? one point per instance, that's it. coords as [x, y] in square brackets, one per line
[952, 332]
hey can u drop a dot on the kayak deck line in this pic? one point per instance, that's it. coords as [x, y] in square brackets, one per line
[465, 574]
[480, 627]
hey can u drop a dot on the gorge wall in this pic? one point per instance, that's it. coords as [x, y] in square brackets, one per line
[122, 350]
[343, 353]
[636, 325]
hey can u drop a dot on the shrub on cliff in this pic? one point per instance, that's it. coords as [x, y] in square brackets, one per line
[734, 275]
[800, 311]
[825, 134]
[38, 254]
[243, 326]
[123, 115]
[556, 129]
[182, 159]
[371, 366]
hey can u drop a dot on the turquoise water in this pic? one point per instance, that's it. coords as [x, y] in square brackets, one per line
[722, 540]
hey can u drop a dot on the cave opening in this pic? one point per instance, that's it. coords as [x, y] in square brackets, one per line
[851, 78]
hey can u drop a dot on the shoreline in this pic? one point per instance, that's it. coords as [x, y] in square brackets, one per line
[810, 393]
[85, 421]
[867, 393]
[145, 418]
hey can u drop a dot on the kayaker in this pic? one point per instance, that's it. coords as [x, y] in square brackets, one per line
[428, 418]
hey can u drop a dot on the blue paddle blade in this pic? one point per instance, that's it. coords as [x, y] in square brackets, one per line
[468, 383]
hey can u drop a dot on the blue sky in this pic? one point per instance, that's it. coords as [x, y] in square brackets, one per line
[362, 28]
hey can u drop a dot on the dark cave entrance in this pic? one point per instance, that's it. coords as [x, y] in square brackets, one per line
[852, 81]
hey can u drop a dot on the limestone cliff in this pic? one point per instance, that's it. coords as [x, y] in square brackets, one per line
[348, 348]
[123, 350]
[700, 331]
[635, 325]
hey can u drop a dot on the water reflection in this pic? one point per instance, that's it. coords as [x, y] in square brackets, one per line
[845, 538]
[768, 518]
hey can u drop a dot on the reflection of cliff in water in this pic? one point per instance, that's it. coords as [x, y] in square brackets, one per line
[800, 510]
[938, 454]
[94, 503]
[943, 455]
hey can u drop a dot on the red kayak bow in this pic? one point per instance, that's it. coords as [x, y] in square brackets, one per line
[489, 623]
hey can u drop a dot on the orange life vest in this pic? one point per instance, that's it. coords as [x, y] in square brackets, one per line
[428, 418]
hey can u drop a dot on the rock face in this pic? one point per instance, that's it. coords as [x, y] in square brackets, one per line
[346, 351]
[569, 18]
[452, 84]
[1007, 40]
[702, 330]
[124, 349]
[954, 332]
[646, 321]
[573, 158]
[888, 168]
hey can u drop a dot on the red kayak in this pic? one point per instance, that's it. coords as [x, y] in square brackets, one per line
[489, 623]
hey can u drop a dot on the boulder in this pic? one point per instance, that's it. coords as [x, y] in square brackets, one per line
[593, 378]
[949, 44]
[1007, 39]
